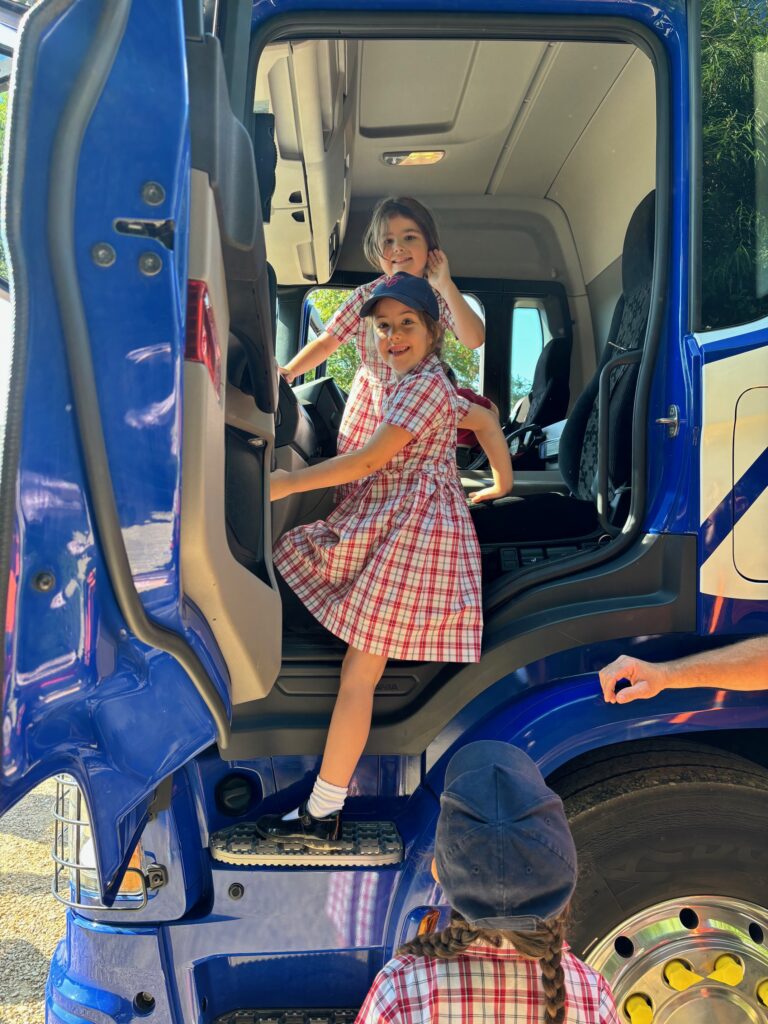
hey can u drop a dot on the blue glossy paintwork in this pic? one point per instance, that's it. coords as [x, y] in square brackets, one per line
[299, 937]
[294, 936]
[82, 696]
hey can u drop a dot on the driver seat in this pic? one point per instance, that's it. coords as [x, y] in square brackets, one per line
[567, 521]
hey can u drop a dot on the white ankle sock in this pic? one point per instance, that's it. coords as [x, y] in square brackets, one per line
[325, 799]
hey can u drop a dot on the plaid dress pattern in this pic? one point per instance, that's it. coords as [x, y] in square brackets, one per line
[483, 985]
[374, 379]
[395, 568]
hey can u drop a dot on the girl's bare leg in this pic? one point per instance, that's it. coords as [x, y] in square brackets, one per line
[352, 713]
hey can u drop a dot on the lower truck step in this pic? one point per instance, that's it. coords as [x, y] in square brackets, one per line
[287, 1017]
[362, 844]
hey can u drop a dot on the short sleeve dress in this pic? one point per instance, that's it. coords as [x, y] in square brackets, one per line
[373, 379]
[395, 568]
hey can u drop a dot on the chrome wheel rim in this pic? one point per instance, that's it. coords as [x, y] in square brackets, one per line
[641, 960]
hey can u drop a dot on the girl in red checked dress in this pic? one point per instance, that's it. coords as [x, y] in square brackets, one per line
[506, 862]
[394, 571]
[401, 238]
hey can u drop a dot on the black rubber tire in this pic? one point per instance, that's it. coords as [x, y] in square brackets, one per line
[663, 824]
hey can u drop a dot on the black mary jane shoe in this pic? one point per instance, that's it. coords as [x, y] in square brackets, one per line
[304, 829]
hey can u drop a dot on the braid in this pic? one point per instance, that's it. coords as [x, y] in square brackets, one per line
[545, 945]
[552, 975]
[444, 945]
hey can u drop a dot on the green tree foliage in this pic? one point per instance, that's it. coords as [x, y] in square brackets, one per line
[344, 362]
[734, 51]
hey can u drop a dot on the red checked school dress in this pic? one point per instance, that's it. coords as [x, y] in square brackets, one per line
[373, 379]
[483, 985]
[395, 568]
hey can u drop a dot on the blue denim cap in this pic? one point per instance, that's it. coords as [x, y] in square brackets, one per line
[414, 292]
[504, 852]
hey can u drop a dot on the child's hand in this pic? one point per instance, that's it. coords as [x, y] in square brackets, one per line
[488, 494]
[280, 484]
[286, 374]
[438, 270]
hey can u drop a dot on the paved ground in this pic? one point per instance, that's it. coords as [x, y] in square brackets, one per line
[31, 921]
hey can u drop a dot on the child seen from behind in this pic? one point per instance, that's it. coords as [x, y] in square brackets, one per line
[506, 861]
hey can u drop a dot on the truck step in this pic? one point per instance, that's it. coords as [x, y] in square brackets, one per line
[362, 844]
[287, 1017]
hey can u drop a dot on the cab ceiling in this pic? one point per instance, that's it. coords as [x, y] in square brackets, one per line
[571, 123]
[508, 114]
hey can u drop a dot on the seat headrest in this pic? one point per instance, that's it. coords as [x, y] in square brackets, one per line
[637, 255]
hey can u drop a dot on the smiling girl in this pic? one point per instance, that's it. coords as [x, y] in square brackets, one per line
[400, 238]
[394, 571]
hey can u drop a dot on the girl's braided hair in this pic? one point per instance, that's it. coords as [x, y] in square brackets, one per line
[545, 945]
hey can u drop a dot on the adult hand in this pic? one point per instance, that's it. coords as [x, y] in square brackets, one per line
[280, 484]
[645, 679]
[438, 270]
[286, 374]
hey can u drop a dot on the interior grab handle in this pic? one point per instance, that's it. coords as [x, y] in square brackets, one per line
[603, 401]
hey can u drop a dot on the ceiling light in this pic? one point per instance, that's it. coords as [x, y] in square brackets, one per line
[413, 158]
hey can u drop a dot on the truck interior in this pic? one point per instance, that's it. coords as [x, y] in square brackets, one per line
[545, 154]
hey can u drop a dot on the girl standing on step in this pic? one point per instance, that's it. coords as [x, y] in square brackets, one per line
[394, 571]
[401, 237]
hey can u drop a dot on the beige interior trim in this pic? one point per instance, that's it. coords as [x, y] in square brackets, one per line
[231, 598]
[611, 168]
[304, 84]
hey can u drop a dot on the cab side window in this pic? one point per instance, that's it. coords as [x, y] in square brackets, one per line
[320, 305]
[530, 333]
[466, 363]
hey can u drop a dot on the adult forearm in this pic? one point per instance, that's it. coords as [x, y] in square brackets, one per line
[741, 666]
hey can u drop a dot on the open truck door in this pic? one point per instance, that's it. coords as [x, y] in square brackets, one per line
[133, 255]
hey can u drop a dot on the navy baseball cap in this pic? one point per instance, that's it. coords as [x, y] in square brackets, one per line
[414, 292]
[504, 853]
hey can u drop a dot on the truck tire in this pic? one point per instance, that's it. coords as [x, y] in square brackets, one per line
[673, 859]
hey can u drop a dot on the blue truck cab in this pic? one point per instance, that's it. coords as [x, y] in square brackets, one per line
[186, 185]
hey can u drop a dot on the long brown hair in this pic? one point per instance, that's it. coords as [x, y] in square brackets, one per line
[397, 206]
[544, 945]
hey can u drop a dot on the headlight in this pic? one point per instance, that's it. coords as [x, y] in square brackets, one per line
[75, 876]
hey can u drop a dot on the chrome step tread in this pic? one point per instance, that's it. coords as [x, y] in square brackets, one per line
[287, 1017]
[362, 844]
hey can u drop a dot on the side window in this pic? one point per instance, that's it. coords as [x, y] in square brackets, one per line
[467, 363]
[530, 332]
[319, 307]
[734, 107]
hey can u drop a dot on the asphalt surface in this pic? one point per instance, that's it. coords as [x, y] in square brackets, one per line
[31, 920]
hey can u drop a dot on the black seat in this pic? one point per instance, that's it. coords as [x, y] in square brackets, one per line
[556, 517]
[547, 403]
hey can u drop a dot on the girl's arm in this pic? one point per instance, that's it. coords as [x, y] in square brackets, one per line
[488, 432]
[311, 355]
[343, 469]
[470, 329]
